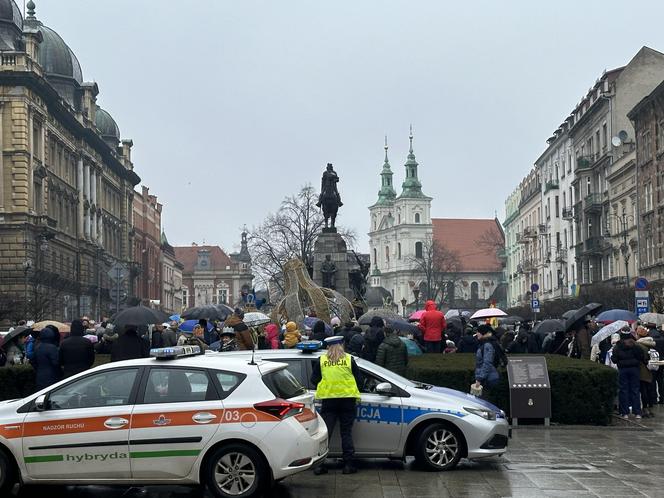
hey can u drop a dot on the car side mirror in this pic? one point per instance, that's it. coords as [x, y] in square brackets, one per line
[40, 403]
[385, 388]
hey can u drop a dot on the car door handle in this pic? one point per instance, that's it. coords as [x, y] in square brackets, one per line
[203, 417]
[115, 422]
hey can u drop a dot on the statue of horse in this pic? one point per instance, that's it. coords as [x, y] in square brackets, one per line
[330, 204]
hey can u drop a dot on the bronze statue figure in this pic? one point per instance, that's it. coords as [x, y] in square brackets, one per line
[329, 198]
[328, 271]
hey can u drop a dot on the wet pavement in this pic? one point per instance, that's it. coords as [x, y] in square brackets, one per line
[561, 461]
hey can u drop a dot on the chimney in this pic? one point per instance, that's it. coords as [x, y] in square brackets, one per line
[90, 92]
[127, 144]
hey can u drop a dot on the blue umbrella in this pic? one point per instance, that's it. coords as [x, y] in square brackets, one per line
[175, 318]
[189, 325]
[310, 321]
[411, 346]
[613, 315]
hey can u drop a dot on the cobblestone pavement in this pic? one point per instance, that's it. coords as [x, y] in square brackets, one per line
[569, 462]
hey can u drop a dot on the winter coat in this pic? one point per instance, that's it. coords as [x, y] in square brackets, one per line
[292, 335]
[519, 345]
[272, 336]
[558, 345]
[318, 331]
[169, 337]
[373, 338]
[626, 354]
[243, 337]
[432, 323]
[129, 346]
[582, 344]
[485, 371]
[105, 345]
[47, 361]
[76, 354]
[356, 344]
[393, 355]
[467, 344]
[645, 343]
[15, 354]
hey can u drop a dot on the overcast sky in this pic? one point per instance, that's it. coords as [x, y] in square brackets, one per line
[234, 104]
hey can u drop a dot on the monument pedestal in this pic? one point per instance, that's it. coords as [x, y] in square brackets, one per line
[330, 243]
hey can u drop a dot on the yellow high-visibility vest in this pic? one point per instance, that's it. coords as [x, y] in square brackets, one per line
[338, 380]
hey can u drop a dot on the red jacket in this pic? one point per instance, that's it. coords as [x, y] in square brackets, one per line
[432, 323]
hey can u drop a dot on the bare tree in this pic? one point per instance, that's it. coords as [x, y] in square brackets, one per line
[491, 241]
[289, 233]
[439, 267]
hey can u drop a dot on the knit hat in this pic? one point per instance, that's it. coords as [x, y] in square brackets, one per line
[291, 327]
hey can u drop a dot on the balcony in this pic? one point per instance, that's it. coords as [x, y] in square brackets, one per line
[542, 228]
[561, 255]
[521, 238]
[568, 213]
[592, 203]
[593, 245]
[583, 163]
[530, 232]
[551, 185]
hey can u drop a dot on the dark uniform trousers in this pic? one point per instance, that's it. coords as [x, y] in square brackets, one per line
[343, 410]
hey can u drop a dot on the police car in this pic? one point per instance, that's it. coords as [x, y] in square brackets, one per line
[233, 425]
[397, 417]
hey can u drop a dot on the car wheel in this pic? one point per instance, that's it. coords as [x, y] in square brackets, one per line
[7, 474]
[438, 447]
[236, 471]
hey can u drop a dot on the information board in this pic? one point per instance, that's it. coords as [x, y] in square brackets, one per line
[530, 390]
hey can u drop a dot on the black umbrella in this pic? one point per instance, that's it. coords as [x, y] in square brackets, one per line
[20, 330]
[510, 320]
[137, 315]
[385, 314]
[402, 326]
[547, 326]
[579, 315]
[208, 312]
[567, 314]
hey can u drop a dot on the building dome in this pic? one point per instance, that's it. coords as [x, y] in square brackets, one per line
[107, 126]
[56, 58]
[11, 25]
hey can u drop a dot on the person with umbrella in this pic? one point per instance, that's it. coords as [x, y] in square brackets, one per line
[13, 345]
[628, 357]
[487, 359]
[129, 345]
[582, 335]
[76, 352]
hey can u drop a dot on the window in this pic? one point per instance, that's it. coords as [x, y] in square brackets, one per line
[474, 291]
[557, 207]
[185, 297]
[419, 253]
[417, 217]
[398, 250]
[107, 388]
[283, 384]
[604, 137]
[387, 254]
[228, 381]
[222, 296]
[178, 385]
[375, 258]
[569, 162]
[588, 186]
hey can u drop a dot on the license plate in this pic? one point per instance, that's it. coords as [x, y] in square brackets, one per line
[322, 449]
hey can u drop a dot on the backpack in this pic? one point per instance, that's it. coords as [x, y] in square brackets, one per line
[654, 356]
[499, 356]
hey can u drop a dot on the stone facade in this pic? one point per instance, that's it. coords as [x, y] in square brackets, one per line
[648, 119]
[332, 244]
[66, 184]
[210, 276]
[171, 278]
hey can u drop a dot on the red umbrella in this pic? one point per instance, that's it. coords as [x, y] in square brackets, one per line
[416, 316]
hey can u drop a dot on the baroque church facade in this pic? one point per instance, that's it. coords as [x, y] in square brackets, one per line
[402, 231]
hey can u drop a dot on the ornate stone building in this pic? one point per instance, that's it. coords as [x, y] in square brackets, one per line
[66, 181]
[402, 232]
[210, 276]
[171, 278]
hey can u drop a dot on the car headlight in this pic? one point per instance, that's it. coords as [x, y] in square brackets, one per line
[485, 413]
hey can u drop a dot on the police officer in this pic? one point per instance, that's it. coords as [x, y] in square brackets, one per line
[337, 377]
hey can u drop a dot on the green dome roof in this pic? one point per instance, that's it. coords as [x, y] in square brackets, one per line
[11, 24]
[107, 126]
[56, 58]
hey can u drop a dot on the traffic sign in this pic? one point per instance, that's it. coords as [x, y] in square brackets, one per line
[117, 272]
[641, 284]
[536, 310]
[534, 288]
[642, 305]
[535, 303]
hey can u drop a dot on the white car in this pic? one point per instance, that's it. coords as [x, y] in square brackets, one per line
[397, 417]
[235, 426]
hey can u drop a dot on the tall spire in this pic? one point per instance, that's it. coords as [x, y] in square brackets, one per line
[386, 194]
[411, 185]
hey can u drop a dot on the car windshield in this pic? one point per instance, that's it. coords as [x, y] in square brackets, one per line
[388, 374]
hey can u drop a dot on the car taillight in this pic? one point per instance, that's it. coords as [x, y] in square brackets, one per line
[280, 408]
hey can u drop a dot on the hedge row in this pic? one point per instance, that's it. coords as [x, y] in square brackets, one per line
[582, 392]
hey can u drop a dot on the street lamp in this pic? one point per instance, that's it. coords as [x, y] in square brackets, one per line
[623, 221]
[403, 305]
